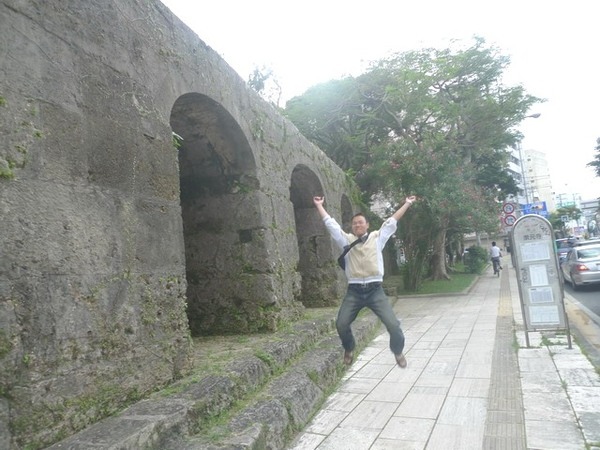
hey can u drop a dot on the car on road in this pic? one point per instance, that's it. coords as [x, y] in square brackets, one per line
[582, 265]
[563, 246]
[586, 242]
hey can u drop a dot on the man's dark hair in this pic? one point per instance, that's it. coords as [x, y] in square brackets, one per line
[359, 214]
[493, 243]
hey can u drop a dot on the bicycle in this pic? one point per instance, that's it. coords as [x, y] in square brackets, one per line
[497, 266]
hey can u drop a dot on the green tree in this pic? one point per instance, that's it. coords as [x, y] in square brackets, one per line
[450, 121]
[435, 123]
[556, 218]
[595, 163]
[264, 82]
[332, 116]
[557, 223]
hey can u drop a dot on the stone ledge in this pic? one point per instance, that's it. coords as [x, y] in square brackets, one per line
[307, 359]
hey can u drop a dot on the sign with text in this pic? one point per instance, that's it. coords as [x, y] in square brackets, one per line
[538, 275]
[536, 208]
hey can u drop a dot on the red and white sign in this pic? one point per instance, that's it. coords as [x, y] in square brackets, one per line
[508, 208]
[509, 220]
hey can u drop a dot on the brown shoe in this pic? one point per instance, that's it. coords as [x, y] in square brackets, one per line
[401, 360]
[348, 358]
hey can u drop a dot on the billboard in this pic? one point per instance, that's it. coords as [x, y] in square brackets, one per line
[538, 208]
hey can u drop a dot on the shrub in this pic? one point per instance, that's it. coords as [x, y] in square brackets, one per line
[476, 260]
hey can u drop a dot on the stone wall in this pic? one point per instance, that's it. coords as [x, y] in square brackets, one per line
[120, 241]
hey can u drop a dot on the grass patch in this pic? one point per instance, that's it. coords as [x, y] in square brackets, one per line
[515, 342]
[266, 358]
[457, 283]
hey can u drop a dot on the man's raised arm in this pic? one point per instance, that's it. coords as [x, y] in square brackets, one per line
[318, 201]
[407, 202]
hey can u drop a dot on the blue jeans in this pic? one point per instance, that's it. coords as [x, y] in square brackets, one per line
[370, 296]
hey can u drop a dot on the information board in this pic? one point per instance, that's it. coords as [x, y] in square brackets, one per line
[538, 274]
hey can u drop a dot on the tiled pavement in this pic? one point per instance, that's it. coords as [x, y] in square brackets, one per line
[470, 383]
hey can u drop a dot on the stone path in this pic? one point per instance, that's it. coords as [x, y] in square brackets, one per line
[469, 384]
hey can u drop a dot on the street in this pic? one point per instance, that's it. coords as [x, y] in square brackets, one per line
[583, 310]
[589, 296]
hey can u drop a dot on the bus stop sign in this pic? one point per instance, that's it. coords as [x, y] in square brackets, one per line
[538, 275]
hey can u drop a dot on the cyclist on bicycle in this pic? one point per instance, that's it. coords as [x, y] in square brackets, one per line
[496, 254]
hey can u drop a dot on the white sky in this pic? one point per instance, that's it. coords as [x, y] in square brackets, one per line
[554, 49]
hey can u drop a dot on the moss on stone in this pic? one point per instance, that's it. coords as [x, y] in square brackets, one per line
[5, 344]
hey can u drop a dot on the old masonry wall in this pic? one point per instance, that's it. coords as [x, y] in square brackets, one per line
[120, 240]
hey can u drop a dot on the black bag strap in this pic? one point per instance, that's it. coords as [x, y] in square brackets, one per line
[347, 248]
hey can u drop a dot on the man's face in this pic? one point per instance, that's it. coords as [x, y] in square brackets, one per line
[359, 226]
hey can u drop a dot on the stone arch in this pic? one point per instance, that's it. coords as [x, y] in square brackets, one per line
[316, 262]
[218, 188]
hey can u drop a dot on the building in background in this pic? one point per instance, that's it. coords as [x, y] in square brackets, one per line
[537, 174]
[590, 218]
[588, 224]
[530, 170]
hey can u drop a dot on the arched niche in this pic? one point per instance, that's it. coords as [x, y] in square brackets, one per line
[221, 218]
[316, 262]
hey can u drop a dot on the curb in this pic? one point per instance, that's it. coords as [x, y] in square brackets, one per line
[585, 326]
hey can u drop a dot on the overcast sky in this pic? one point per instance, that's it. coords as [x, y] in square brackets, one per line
[554, 49]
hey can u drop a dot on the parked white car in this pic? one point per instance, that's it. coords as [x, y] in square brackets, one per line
[582, 265]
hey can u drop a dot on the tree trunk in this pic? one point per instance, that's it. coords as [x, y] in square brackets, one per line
[390, 254]
[438, 259]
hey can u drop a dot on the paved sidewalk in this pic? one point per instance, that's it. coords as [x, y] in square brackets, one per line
[466, 385]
